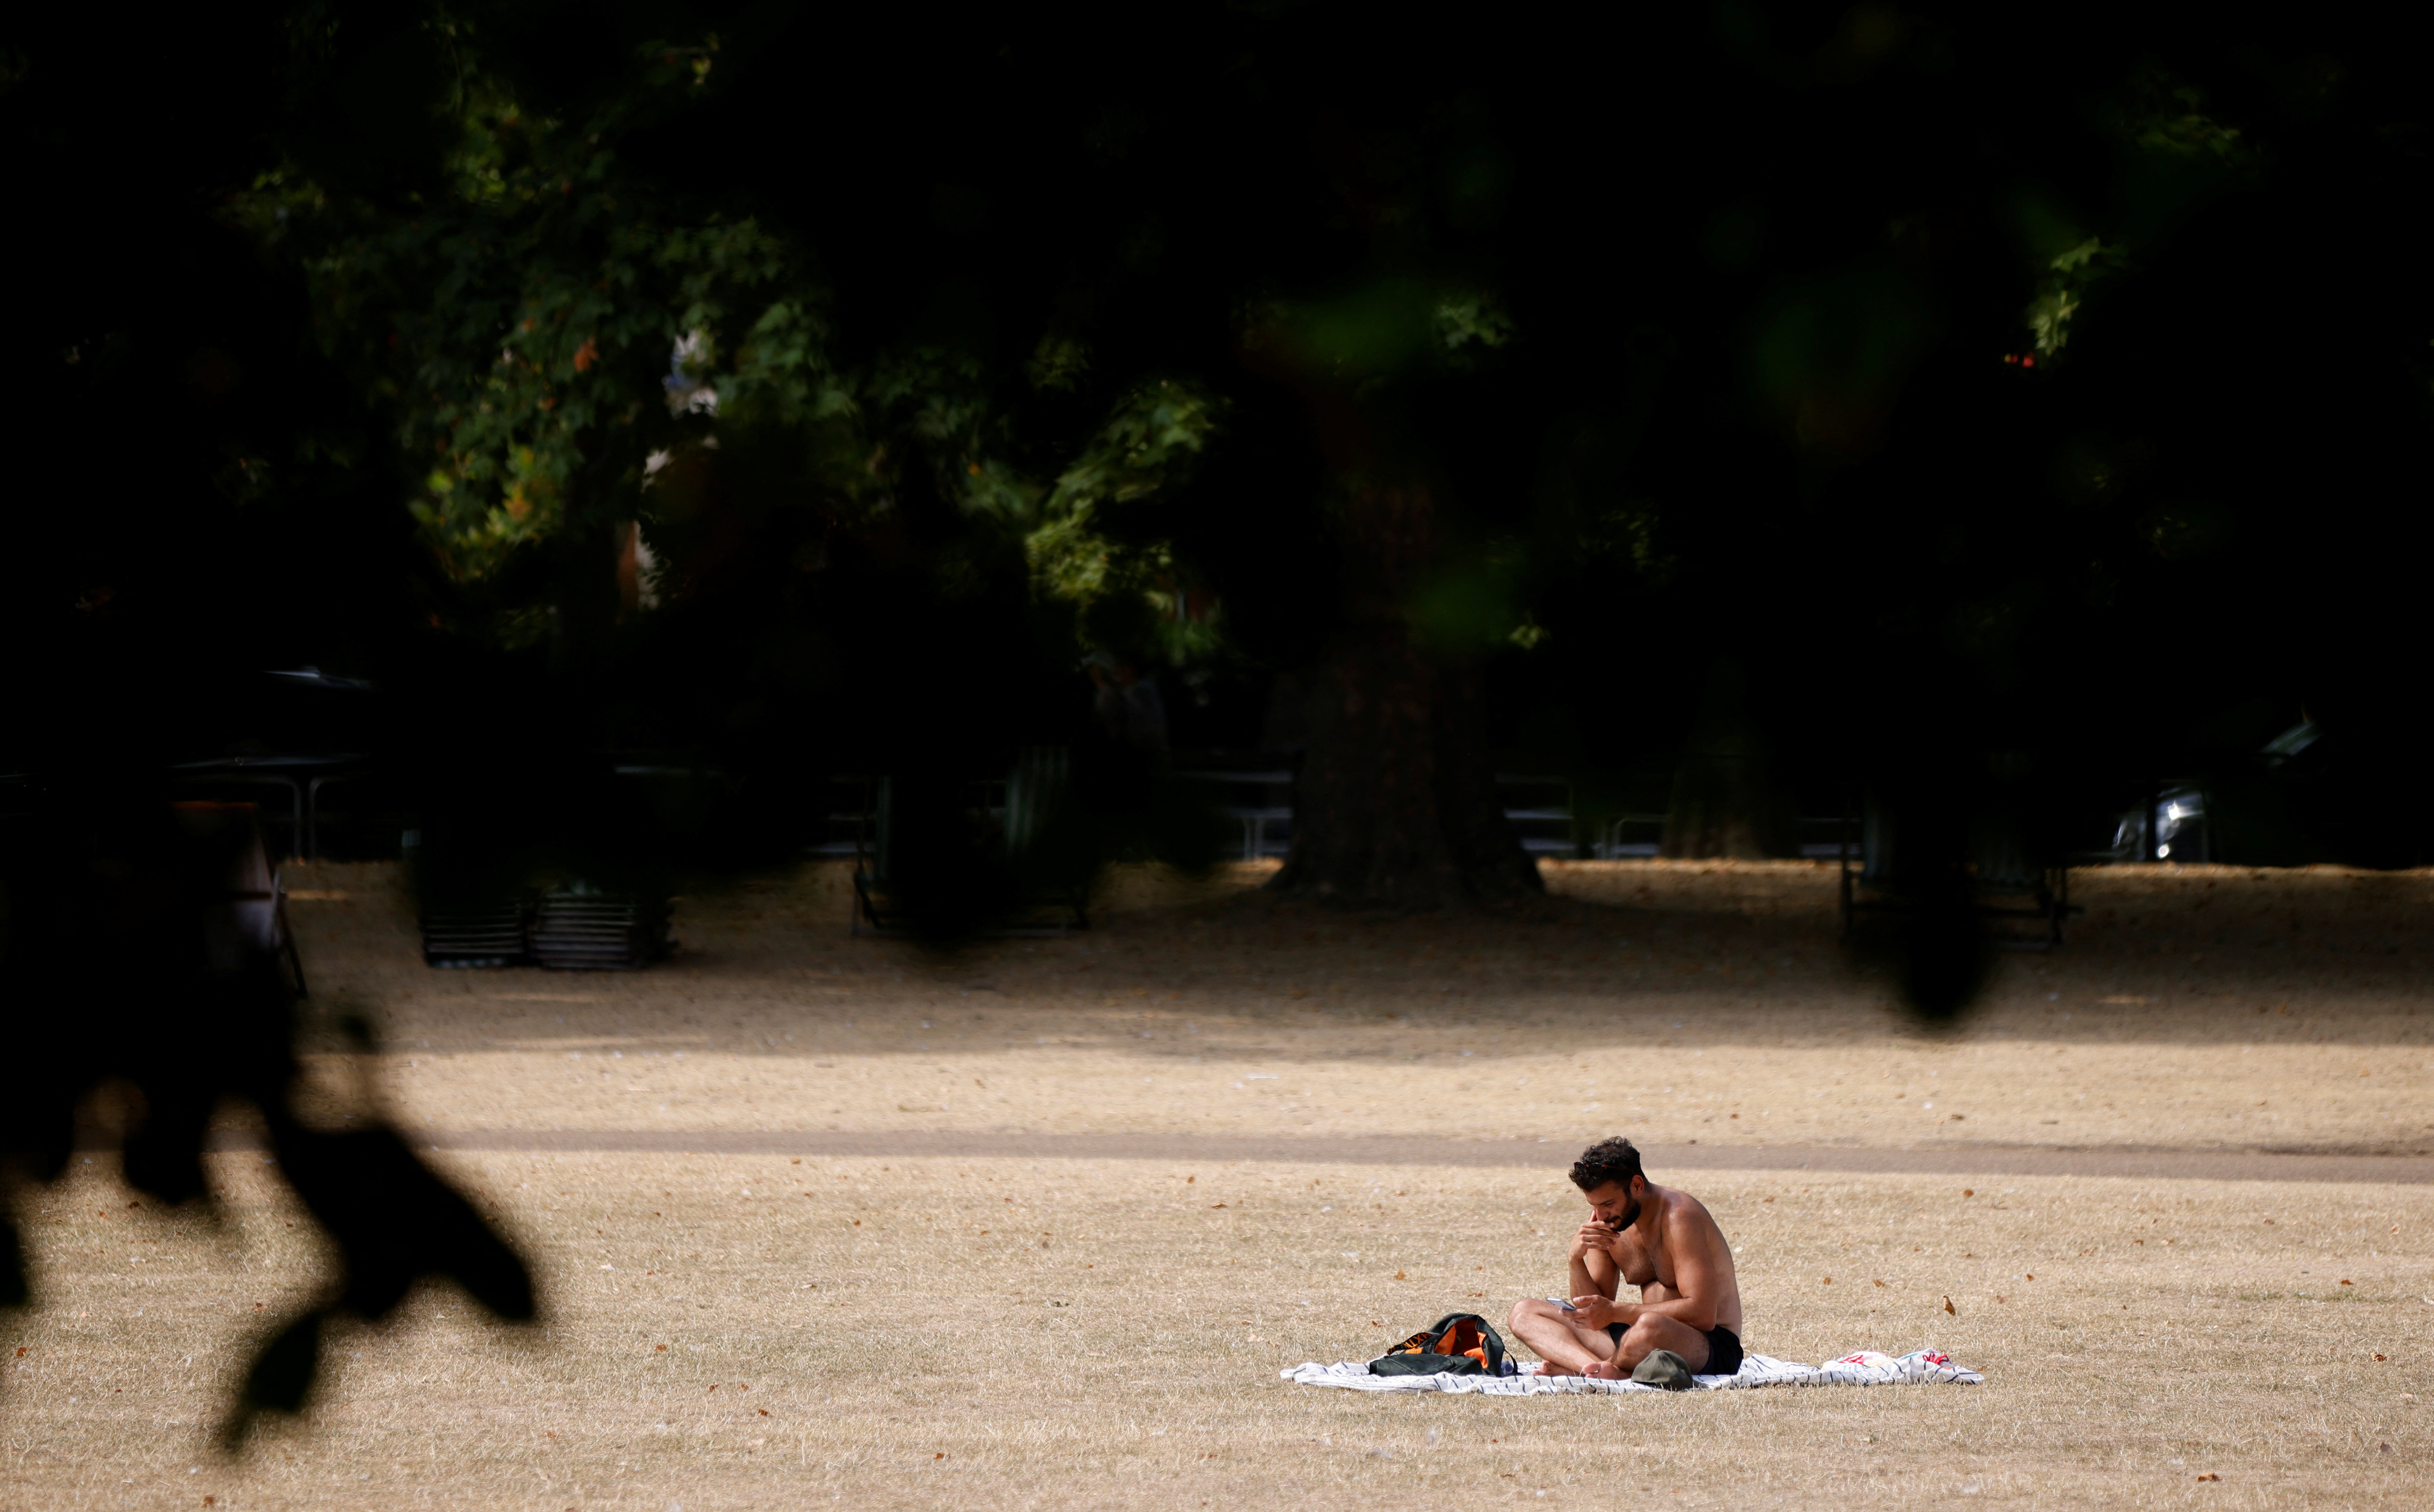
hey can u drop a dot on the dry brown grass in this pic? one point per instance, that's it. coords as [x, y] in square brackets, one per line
[1695, 1002]
[1103, 1334]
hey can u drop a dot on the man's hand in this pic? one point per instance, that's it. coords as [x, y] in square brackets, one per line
[1594, 1238]
[1594, 1312]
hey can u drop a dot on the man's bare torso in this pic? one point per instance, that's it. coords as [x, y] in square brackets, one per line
[1646, 1252]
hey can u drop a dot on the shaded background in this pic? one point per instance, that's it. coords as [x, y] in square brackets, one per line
[1742, 456]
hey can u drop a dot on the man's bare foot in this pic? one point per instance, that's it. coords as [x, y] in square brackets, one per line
[1549, 1368]
[1605, 1370]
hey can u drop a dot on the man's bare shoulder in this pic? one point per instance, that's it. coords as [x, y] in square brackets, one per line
[1685, 1213]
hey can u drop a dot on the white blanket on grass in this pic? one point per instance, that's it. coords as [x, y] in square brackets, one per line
[1865, 1369]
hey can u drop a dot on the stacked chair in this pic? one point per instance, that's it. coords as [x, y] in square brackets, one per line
[579, 928]
[575, 928]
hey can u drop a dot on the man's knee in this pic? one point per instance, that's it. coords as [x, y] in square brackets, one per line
[1649, 1335]
[1528, 1308]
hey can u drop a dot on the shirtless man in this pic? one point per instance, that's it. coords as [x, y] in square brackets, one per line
[1657, 1239]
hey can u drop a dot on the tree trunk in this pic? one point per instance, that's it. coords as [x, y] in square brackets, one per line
[1724, 803]
[1395, 806]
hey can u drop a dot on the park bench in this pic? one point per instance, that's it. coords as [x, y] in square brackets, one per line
[1629, 837]
[1540, 811]
[2027, 899]
[1257, 796]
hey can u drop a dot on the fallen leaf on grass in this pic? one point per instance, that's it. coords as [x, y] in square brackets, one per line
[1398, 1276]
[1827, 1281]
[765, 1412]
[2345, 1284]
[1948, 1307]
[2378, 1356]
[1881, 1283]
[1214, 1206]
[2210, 1476]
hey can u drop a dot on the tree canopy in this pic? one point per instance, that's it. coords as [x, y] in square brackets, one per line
[1931, 382]
[1715, 301]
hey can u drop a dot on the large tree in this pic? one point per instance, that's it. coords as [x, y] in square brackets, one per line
[1414, 368]
[1676, 341]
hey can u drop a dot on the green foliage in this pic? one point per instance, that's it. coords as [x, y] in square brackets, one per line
[2165, 114]
[1469, 323]
[1121, 583]
[516, 318]
[1390, 326]
[939, 401]
[2173, 156]
[2060, 293]
[549, 329]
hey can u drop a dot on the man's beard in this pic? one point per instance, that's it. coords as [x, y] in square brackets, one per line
[1629, 1217]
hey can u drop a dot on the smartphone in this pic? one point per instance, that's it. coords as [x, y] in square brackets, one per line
[1568, 1307]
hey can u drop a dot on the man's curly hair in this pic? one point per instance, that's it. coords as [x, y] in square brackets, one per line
[1615, 1160]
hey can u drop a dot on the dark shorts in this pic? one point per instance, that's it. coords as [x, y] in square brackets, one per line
[1723, 1349]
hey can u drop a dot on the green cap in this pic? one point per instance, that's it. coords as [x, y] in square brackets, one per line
[1663, 1368]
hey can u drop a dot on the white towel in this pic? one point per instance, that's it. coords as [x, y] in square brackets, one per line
[1865, 1369]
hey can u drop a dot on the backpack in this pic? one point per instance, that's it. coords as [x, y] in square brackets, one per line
[1456, 1344]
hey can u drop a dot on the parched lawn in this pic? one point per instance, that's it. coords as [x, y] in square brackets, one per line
[1069, 1333]
[756, 1331]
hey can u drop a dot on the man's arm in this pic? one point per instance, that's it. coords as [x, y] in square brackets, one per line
[1593, 1269]
[1697, 1279]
